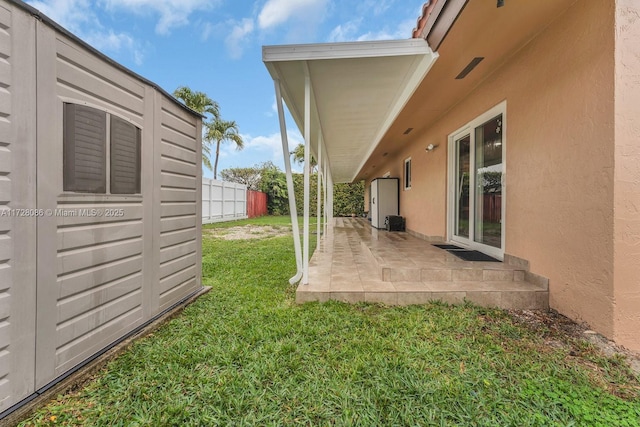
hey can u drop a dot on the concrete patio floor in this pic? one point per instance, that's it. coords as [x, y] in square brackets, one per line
[356, 262]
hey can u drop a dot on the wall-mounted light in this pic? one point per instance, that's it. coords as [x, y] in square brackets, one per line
[500, 3]
[430, 148]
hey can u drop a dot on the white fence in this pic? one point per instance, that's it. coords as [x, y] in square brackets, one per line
[223, 201]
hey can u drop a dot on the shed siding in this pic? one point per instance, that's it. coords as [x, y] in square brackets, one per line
[17, 191]
[96, 276]
[97, 298]
[179, 189]
[6, 238]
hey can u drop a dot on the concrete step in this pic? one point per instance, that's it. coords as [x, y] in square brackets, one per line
[449, 268]
[477, 273]
[510, 295]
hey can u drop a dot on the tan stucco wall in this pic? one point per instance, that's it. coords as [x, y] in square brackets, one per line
[627, 175]
[559, 160]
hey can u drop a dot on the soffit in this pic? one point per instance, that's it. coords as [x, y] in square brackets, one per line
[481, 30]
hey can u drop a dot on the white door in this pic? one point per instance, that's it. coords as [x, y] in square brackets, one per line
[374, 204]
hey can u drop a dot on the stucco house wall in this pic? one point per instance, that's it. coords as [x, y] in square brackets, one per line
[571, 165]
[627, 174]
[81, 269]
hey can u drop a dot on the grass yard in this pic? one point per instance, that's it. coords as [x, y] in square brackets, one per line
[246, 354]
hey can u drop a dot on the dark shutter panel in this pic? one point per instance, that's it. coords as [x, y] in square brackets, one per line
[125, 157]
[84, 149]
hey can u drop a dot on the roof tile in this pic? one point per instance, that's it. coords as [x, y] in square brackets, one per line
[427, 8]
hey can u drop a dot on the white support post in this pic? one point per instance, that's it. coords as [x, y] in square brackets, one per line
[330, 200]
[326, 200]
[307, 167]
[319, 193]
[290, 189]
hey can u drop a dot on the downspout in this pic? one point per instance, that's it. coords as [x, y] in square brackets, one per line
[292, 196]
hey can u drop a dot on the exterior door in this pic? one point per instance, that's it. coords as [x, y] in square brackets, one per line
[476, 155]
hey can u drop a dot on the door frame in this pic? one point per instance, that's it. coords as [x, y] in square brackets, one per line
[469, 128]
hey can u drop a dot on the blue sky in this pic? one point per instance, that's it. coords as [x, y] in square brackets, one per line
[214, 46]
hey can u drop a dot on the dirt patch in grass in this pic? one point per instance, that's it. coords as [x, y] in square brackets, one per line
[579, 342]
[247, 232]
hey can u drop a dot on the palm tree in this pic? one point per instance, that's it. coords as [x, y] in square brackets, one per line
[222, 130]
[201, 103]
[298, 157]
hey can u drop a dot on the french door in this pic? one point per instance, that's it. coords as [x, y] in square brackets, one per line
[476, 184]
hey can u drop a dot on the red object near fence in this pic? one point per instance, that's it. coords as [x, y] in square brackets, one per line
[256, 203]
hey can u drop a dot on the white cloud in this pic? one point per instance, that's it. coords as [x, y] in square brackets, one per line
[172, 13]
[236, 40]
[272, 144]
[350, 32]
[276, 12]
[78, 17]
[377, 6]
[345, 32]
[71, 14]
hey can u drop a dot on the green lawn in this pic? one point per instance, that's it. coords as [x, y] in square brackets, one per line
[245, 354]
[262, 220]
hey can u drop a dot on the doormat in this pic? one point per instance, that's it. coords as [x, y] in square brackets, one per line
[447, 247]
[472, 255]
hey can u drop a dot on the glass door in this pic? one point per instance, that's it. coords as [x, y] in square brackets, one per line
[476, 185]
[462, 193]
[488, 183]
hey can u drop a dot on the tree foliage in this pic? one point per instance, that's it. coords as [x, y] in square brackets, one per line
[251, 177]
[220, 131]
[246, 176]
[348, 199]
[298, 156]
[274, 184]
[201, 103]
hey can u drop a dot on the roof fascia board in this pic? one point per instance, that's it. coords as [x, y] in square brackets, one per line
[444, 21]
[431, 21]
[309, 52]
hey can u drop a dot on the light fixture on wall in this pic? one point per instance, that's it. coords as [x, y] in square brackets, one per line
[500, 3]
[430, 148]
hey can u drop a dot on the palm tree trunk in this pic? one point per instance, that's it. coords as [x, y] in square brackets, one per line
[215, 166]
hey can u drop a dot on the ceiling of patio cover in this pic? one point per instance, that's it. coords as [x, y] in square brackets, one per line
[357, 90]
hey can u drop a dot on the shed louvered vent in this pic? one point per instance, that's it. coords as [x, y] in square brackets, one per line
[84, 149]
[125, 157]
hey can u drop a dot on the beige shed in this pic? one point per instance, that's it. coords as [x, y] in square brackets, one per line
[100, 190]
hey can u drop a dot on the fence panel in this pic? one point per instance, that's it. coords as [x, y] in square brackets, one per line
[223, 201]
[256, 203]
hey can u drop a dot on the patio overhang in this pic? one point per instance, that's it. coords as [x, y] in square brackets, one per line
[357, 89]
[343, 98]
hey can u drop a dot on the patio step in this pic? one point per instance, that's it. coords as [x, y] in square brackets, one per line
[355, 263]
[450, 274]
[452, 270]
[508, 295]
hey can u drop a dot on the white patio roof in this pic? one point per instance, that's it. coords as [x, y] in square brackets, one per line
[357, 90]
